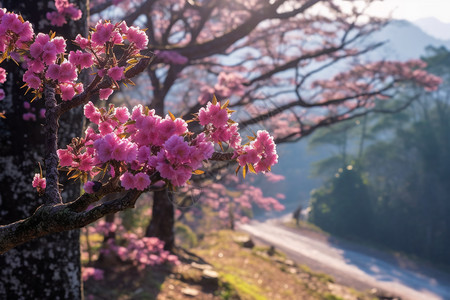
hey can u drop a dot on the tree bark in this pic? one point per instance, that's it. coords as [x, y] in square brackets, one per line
[47, 267]
[163, 219]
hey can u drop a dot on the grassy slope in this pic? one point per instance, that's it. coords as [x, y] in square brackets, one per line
[243, 274]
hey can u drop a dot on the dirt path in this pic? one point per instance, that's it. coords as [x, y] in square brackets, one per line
[355, 265]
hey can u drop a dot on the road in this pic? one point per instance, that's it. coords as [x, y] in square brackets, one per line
[354, 265]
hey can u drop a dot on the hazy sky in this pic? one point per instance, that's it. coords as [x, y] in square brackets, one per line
[414, 9]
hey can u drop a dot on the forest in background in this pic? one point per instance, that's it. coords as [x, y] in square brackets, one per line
[388, 182]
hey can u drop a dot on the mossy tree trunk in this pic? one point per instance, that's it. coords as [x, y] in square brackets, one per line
[48, 267]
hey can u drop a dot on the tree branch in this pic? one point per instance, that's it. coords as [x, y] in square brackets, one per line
[60, 217]
[52, 194]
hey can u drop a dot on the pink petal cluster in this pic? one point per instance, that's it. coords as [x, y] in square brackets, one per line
[177, 159]
[106, 32]
[81, 159]
[261, 153]
[215, 119]
[64, 10]
[30, 115]
[137, 145]
[94, 273]
[81, 59]
[2, 75]
[139, 181]
[137, 37]
[229, 84]
[142, 252]
[171, 57]
[13, 32]
[44, 53]
[39, 183]
[213, 114]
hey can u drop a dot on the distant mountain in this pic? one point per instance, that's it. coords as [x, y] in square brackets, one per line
[405, 41]
[434, 27]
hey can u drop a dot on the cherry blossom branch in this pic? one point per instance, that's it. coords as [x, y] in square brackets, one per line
[49, 219]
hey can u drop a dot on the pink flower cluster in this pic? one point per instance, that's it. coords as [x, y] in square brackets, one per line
[14, 32]
[46, 59]
[140, 251]
[64, 10]
[44, 53]
[137, 145]
[171, 57]
[261, 153]
[88, 272]
[114, 34]
[215, 119]
[2, 75]
[39, 183]
[139, 181]
[30, 115]
[217, 196]
[2, 80]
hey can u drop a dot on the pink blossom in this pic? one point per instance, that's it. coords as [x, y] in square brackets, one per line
[105, 128]
[116, 73]
[88, 272]
[138, 37]
[65, 157]
[213, 114]
[53, 71]
[2, 94]
[49, 57]
[32, 80]
[178, 151]
[2, 75]
[141, 181]
[86, 162]
[29, 116]
[64, 9]
[67, 72]
[171, 57]
[81, 59]
[39, 183]
[122, 114]
[67, 92]
[105, 93]
[91, 112]
[81, 41]
[143, 154]
[127, 180]
[42, 39]
[60, 44]
[56, 19]
[36, 66]
[36, 49]
[102, 33]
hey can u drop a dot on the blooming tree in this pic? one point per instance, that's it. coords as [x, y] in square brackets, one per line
[271, 58]
[136, 150]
